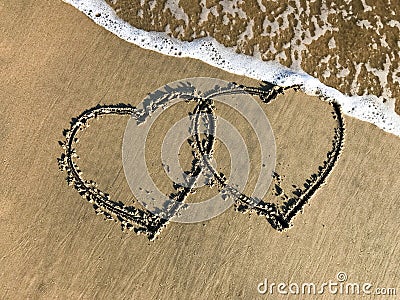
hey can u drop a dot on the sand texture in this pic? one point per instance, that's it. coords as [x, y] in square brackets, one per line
[55, 64]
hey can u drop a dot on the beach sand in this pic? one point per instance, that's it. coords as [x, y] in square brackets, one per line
[55, 63]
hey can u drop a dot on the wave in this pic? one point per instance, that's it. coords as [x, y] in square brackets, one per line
[370, 108]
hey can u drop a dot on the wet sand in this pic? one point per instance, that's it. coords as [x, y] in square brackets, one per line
[55, 63]
[349, 45]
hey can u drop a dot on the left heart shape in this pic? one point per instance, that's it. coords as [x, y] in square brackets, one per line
[130, 217]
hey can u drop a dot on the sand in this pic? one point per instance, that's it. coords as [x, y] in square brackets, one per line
[348, 45]
[55, 63]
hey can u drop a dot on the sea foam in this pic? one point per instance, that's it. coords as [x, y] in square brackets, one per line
[368, 108]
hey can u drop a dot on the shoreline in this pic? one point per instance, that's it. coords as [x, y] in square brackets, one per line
[376, 110]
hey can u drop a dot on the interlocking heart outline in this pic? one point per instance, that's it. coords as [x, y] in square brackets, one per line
[151, 222]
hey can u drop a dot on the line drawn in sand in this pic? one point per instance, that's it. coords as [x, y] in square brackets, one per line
[157, 210]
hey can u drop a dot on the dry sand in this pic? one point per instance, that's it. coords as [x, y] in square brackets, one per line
[55, 63]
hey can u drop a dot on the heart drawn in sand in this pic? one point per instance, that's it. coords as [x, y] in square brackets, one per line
[150, 219]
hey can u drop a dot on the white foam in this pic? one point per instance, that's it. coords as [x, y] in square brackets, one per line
[367, 108]
[232, 7]
[394, 23]
[176, 11]
[367, 8]
[247, 34]
[261, 6]
[332, 43]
